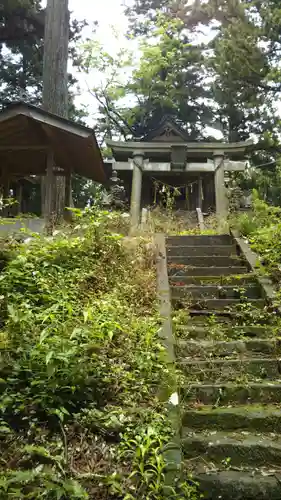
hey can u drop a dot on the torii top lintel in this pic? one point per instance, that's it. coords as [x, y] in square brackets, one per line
[167, 138]
[158, 144]
[161, 151]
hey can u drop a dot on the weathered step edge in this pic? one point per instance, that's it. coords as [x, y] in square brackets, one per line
[231, 305]
[220, 348]
[204, 250]
[230, 369]
[192, 261]
[230, 484]
[200, 239]
[204, 272]
[244, 449]
[256, 418]
[214, 291]
[219, 280]
[225, 393]
[232, 334]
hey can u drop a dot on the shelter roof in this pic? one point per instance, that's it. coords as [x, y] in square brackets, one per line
[28, 132]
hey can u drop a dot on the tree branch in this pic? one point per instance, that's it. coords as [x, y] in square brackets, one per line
[108, 113]
[118, 115]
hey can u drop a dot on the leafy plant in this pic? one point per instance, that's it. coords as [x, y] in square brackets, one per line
[263, 229]
[82, 369]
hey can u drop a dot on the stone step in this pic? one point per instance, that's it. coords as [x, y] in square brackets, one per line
[260, 418]
[218, 370]
[215, 291]
[215, 349]
[202, 239]
[183, 271]
[204, 315]
[227, 393]
[202, 318]
[219, 280]
[183, 318]
[264, 318]
[241, 448]
[204, 250]
[240, 485]
[223, 330]
[231, 316]
[204, 261]
[215, 304]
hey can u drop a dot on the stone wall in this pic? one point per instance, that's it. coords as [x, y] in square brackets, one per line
[10, 226]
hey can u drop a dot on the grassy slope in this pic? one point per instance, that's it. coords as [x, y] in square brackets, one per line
[81, 367]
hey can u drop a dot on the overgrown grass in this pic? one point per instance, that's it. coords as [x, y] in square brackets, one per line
[82, 368]
[171, 222]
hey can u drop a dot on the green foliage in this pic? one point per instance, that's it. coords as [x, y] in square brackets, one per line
[266, 242]
[145, 451]
[82, 368]
[263, 229]
[22, 31]
[114, 116]
[239, 67]
[231, 79]
[237, 63]
[85, 191]
[41, 481]
[266, 180]
[262, 216]
[166, 78]
[169, 79]
[21, 52]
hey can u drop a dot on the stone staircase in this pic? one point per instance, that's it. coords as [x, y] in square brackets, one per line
[229, 356]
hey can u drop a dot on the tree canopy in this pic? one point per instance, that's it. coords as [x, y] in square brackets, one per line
[211, 65]
[21, 50]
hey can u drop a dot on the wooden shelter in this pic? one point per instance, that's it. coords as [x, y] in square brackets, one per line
[166, 157]
[31, 138]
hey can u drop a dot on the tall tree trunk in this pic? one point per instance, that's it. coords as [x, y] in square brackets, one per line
[55, 88]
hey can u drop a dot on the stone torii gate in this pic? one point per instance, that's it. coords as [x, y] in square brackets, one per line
[166, 154]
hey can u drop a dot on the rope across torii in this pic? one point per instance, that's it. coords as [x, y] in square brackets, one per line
[175, 188]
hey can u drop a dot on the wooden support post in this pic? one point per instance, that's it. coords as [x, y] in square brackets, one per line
[200, 190]
[68, 197]
[136, 189]
[49, 193]
[68, 189]
[19, 197]
[6, 195]
[220, 191]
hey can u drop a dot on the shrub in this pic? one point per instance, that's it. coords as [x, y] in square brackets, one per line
[261, 216]
[81, 366]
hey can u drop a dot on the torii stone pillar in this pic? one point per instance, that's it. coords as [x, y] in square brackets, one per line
[136, 189]
[220, 190]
